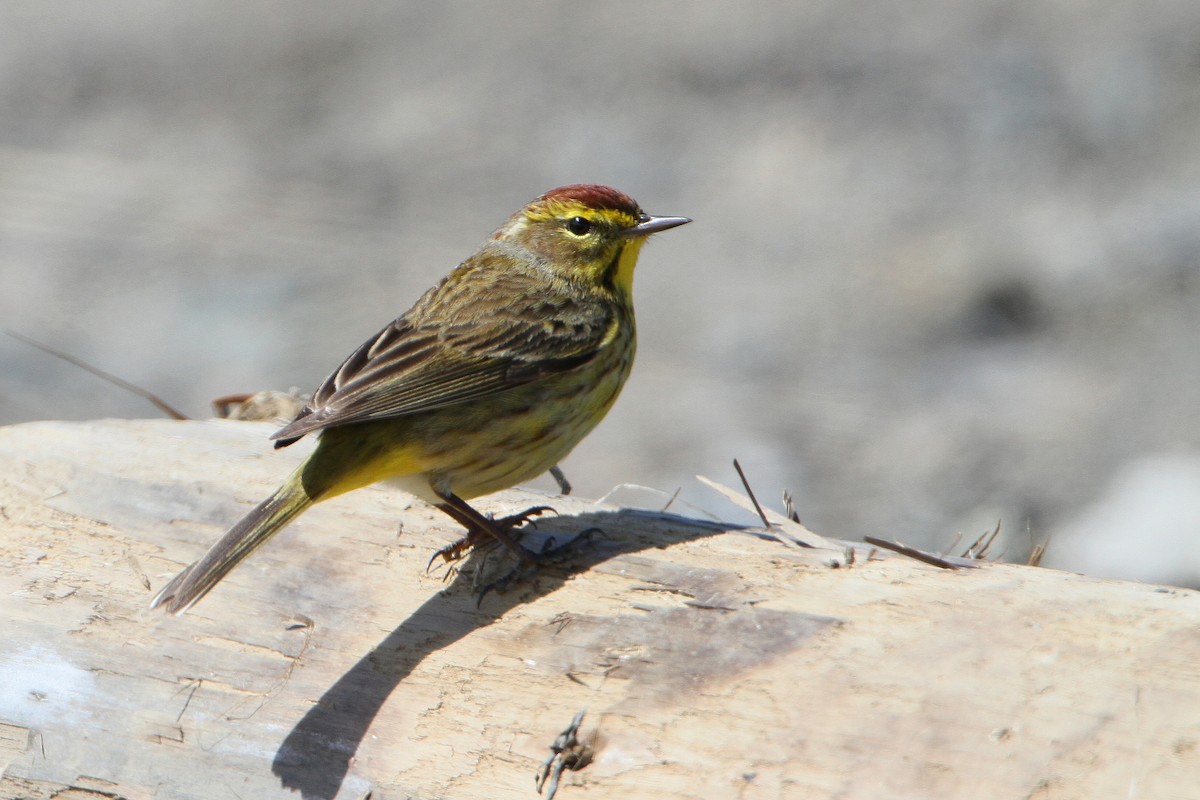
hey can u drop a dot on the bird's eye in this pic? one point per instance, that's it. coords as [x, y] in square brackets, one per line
[579, 225]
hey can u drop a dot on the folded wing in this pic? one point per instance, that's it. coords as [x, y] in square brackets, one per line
[419, 362]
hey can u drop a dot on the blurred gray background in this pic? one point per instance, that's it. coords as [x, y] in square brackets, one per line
[945, 268]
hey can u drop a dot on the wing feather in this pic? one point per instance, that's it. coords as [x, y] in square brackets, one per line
[419, 363]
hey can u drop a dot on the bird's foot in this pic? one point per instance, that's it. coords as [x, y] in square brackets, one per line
[533, 560]
[512, 524]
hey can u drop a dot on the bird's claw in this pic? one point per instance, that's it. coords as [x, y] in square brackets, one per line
[458, 550]
[551, 553]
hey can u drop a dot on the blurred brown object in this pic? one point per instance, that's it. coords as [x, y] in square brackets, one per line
[268, 405]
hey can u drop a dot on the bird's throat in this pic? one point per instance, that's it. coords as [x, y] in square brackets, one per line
[622, 271]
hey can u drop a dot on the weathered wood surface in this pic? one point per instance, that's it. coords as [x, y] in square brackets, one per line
[714, 663]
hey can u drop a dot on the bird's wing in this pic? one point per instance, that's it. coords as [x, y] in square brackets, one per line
[418, 363]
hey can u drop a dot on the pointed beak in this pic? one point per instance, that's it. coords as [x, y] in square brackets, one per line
[648, 225]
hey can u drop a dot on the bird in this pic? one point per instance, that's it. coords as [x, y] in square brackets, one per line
[490, 379]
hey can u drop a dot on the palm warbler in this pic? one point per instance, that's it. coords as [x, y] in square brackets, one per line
[489, 380]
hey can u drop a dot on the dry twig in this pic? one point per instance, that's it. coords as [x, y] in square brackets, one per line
[945, 562]
[99, 373]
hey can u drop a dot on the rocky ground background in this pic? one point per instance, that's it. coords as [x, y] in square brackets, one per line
[945, 268]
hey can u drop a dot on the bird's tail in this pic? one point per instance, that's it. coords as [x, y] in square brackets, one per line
[267, 519]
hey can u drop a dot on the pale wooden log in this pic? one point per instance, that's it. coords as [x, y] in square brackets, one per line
[715, 663]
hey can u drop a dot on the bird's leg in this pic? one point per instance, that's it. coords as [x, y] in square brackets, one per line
[480, 528]
[564, 485]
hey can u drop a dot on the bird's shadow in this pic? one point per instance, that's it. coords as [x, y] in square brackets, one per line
[316, 755]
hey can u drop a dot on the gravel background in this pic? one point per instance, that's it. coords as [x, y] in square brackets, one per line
[944, 268]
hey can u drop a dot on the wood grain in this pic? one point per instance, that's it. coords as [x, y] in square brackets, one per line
[713, 662]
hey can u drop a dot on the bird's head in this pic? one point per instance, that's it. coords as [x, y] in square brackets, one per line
[586, 233]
